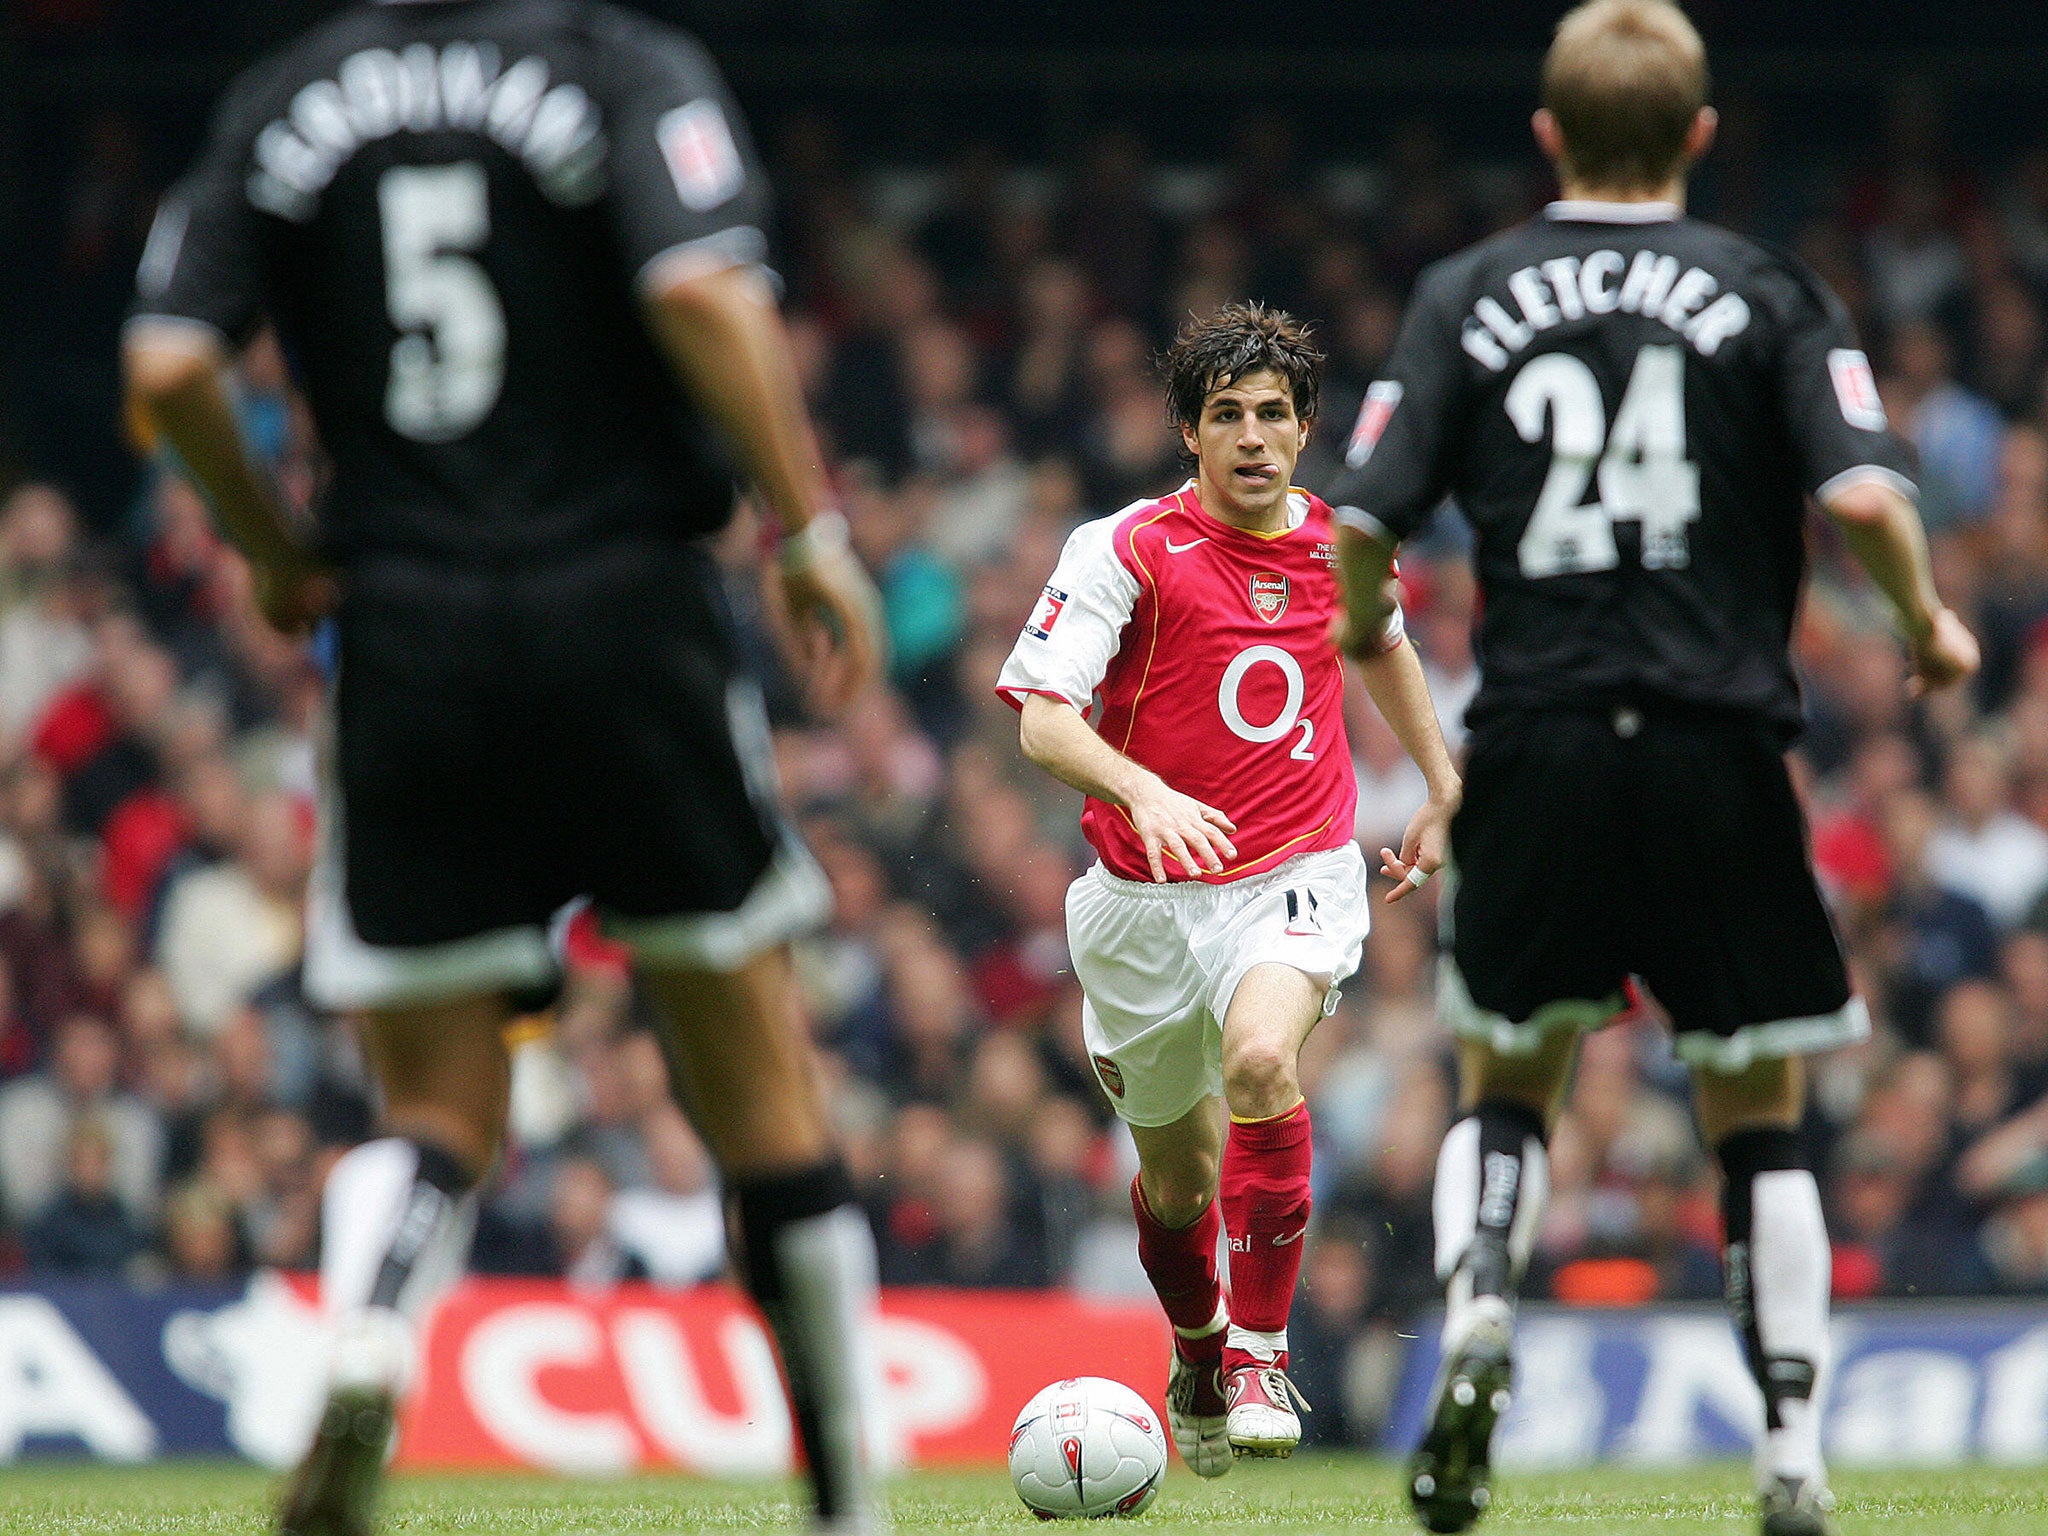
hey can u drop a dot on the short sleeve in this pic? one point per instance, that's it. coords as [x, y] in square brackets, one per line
[203, 263]
[1836, 421]
[686, 192]
[1395, 471]
[1077, 624]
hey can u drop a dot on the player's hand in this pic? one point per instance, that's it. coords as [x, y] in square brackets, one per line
[835, 621]
[1423, 847]
[1944, 656]
[1178, 826]
[293, 594]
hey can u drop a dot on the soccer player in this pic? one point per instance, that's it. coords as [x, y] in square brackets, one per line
[512, 248]
[1632, 408]
[1180, 671]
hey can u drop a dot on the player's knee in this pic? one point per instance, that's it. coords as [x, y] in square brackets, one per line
[1259, 1076]
[1179, 1194]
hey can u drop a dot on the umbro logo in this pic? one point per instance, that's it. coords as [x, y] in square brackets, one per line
[1181, 549]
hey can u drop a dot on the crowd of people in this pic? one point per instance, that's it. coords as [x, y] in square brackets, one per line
[977, 345]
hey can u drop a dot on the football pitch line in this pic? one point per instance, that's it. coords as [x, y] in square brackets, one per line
[1317, 1494]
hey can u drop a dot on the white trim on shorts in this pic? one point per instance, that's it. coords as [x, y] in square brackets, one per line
[345, 971]
[1771, 1040]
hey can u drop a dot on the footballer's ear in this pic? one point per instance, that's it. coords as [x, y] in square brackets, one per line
[1699, 138]
[1189, 441]
[1549, 135]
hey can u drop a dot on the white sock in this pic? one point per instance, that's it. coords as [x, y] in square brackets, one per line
[1455, 1207]
[369, 1195]
[1790, 1266]
[1263, 1347]
[829, 1301]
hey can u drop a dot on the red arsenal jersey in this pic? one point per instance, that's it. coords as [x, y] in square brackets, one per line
[1202, 651]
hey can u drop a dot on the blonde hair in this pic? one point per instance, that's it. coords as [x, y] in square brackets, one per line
[1625, 79]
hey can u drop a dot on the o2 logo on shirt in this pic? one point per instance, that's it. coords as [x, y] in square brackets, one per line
[1856, 389]
[1373, 417]
[1046, 614]
[1269, 595]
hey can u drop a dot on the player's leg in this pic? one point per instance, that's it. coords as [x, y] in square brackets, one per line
[1265, 1196]
[1541, 872]
[745, 1069]
[1173, 1198]
[1155, 1051]
[1746, 961]
[1778, 1269]
[396, 1219]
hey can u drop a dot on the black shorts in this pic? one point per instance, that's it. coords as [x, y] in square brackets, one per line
[507, 742]
[1656, 843]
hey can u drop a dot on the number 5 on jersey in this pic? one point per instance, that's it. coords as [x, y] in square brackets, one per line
[1643, 472]
[448, 363]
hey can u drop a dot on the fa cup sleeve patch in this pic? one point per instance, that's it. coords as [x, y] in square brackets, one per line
[1856, 389]
[1046, 614]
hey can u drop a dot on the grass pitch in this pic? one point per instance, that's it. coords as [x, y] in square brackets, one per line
[1309, 1494]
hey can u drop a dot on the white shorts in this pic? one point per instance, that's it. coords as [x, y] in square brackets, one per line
[1159, 964]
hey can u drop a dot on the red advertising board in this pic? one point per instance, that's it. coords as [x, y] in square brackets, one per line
[530, 1373]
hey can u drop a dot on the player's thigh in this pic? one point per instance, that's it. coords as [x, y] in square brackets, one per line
[1153, 1046]
[1737, 943]
[742, 1062]
[1541, 882]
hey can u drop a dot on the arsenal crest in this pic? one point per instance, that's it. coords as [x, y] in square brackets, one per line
[1269, 595]
[1112, 1078]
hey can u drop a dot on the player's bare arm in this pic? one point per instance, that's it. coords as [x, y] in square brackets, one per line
[725, 338]
[1172, 825]
[1884, 533]
[177, 375]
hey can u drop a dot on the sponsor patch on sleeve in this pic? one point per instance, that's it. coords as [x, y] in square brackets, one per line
[1373, 417]
[703, 160]
[1856, 389]
[1046, 614]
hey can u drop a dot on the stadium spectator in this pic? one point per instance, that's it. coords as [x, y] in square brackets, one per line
[39, 1112]
[84, 1230]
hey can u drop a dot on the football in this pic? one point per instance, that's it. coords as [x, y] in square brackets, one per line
[1085, 1448]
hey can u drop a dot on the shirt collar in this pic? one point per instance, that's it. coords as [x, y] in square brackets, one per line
[1581, 210]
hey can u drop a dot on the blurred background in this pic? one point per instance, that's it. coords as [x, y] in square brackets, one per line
[989, 223]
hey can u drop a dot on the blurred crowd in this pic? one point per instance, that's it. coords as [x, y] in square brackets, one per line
[977, 343]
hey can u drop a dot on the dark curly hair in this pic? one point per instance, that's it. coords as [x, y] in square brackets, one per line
[1214, 353]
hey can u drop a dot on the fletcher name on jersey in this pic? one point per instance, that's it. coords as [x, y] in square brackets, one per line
[1631, 407]
[1202, 651]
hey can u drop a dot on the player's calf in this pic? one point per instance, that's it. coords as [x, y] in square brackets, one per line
[1266, 1206]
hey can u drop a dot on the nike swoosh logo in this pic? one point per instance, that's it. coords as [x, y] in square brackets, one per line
[1181, 549]
[1292, 1237]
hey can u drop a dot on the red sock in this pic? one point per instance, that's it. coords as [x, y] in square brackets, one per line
[1181, 1263]
[1265, 1209]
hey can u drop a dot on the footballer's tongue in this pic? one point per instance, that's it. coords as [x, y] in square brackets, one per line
[1257, 474]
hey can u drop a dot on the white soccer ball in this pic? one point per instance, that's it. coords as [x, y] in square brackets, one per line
[1085, 1448]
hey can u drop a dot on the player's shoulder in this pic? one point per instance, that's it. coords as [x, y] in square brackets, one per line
[1108, 549]
[1139, 530]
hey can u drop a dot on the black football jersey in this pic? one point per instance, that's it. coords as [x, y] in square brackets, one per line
[448, 209]
[1631, 407]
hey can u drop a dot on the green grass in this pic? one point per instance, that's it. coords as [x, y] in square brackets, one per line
[1310, 1494]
